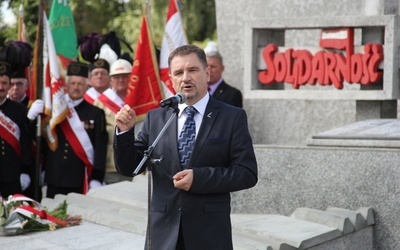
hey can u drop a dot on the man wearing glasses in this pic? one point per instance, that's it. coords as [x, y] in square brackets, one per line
[99, 79]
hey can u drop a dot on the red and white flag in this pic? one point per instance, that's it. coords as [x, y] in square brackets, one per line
[56, 108]
[342, 38]
[174, 36]
[145, 91]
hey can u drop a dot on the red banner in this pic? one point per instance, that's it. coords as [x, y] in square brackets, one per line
[144, 92]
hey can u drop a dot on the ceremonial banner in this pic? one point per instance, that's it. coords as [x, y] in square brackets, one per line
[55, 104]
[144, 92]
[174, 36]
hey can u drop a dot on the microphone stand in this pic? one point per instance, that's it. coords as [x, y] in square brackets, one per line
[147, 154]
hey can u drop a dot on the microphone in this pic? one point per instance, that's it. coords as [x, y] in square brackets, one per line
[173, 100]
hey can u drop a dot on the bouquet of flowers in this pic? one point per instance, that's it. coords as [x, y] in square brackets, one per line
[20, 214]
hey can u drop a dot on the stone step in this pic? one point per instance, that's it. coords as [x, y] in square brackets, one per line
[245, 243]
[341, 222]
[123, 206]
[368, 214]
[116, 215]
[356, 218]
[133, 193]
[282, 232]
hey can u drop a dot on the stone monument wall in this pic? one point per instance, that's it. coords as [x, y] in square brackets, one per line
[278, 113]
[322, 177]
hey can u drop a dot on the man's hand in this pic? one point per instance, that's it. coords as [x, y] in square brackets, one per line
[94, 184]
[25, 181]
[183, 179]
[125, 118]
[36, 109]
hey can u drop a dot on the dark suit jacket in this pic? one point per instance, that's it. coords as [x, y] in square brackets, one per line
[63, 167]
[12, 165]
[223, 161]
[228, 94]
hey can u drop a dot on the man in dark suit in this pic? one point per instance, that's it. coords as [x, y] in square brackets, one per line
[218, 88]
[14, 151]
[190, 203]
[18, 93]
[78, 163]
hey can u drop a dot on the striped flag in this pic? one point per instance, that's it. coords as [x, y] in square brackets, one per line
[174, 36]
[145, 91]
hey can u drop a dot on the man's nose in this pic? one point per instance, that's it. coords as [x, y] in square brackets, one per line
[185, 76]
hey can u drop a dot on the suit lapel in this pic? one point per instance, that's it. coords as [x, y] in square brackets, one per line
[171, 136]
[209, 118]
[220, 90]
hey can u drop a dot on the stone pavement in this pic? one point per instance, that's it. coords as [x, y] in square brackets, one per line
[115, 217]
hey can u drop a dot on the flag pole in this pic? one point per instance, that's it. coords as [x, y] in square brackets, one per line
[39, 89]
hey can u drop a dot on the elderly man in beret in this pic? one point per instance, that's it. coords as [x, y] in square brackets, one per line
[78, 163]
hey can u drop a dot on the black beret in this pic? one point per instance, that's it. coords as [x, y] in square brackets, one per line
[18, 74]
[78, 69]
[99, 63]
[5, 69]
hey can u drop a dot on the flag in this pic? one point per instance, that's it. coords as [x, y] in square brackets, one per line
[174, 36]
[62, 27]
[56, 108]
[342, 38]
[145, 91]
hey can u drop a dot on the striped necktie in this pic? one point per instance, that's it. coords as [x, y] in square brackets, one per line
[187, 137]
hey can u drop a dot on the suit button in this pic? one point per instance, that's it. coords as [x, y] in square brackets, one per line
[180, 208]
[65, 157]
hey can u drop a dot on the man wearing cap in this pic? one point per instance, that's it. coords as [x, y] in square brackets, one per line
[99, 79]
[18, 93]
[15, 150]
[78, 163]
[19, 88]
[111, 101]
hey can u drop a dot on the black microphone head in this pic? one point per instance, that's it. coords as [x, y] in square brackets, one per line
[182, 97]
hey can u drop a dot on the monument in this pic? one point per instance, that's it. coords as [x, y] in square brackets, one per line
[325, 77]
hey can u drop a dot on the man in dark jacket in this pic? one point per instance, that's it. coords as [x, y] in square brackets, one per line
[78, 163]
[217, 87]
[191, 186]
[15, 150]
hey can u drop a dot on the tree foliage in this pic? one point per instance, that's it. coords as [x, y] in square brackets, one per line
[123, 17]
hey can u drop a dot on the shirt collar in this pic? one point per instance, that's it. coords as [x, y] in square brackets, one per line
[214, 86]
[200, 106]
[73, 103]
